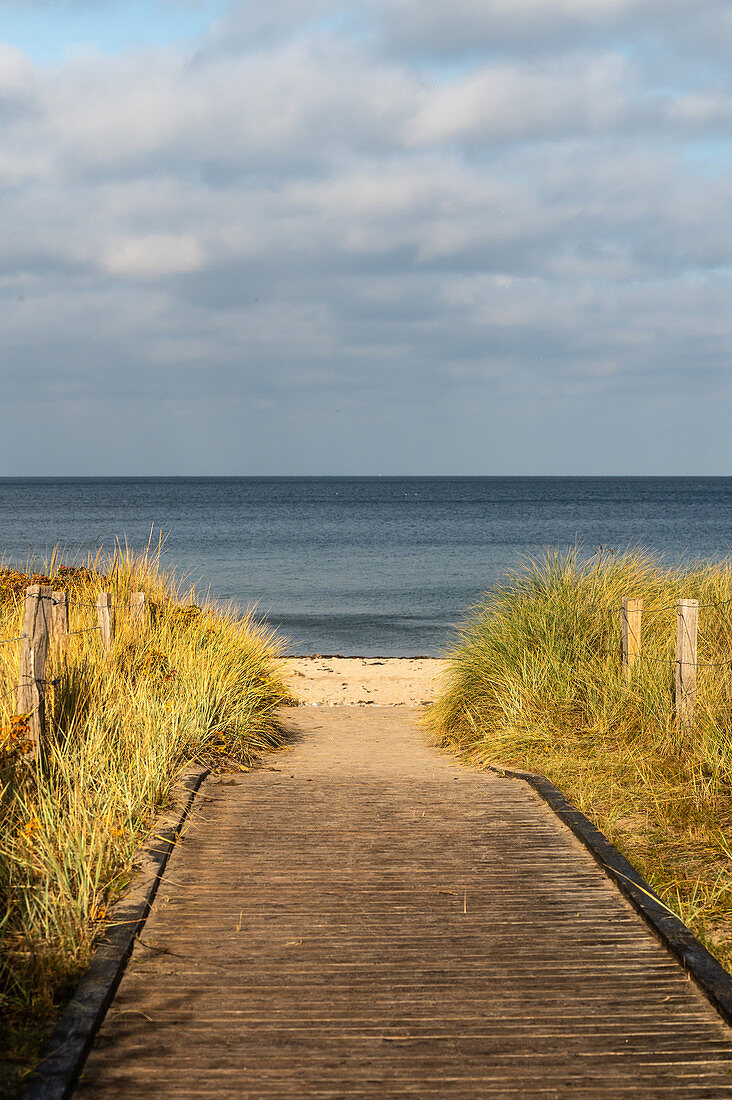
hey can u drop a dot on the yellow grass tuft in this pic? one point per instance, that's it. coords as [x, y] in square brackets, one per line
[535, 682]
[190, 684]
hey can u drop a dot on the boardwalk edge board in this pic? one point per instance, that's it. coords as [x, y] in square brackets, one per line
[708, 973]
[55, 1076]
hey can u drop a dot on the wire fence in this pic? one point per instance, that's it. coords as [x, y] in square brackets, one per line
[46, 631]
[685, 663]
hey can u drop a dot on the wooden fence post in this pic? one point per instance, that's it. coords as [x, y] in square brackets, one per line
[33, 653]
[104, 614]
[60, 619]
[687, 622]
[630, 625]
[137, 606]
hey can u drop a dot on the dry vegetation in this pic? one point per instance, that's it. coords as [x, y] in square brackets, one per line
[190, 684]
[535, 682]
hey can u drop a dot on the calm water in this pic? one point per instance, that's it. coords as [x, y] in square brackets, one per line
[364, 565]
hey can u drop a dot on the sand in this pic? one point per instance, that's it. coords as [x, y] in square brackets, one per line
[364, 681]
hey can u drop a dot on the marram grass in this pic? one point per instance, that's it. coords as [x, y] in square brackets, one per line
[535, 682]
[188, 685]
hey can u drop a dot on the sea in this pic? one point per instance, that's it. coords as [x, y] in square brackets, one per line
[386, 566]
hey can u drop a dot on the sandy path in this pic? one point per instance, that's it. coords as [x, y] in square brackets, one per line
[359, 681]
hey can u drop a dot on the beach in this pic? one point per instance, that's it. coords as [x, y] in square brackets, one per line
[363, 681]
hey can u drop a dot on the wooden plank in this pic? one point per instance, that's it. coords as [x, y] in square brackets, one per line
[33, 655]
[371, 919]
[711, 976]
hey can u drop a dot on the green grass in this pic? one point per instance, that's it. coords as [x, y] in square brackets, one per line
[189, 685]
[535, 682]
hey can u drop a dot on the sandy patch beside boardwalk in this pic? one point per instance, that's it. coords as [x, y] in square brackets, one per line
[358, 681]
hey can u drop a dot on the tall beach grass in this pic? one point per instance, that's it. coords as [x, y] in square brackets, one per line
[535, 681]
[189, 684]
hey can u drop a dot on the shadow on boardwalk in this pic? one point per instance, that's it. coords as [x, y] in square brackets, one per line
[367, 918]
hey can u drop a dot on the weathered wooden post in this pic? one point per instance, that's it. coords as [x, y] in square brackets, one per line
[104, 614]
[630, 628]
[60, 619]
[687, 622]
[33, 654]
[137, 607]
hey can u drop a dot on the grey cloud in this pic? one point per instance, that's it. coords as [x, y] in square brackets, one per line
[249, 26]
[433, 29]
[294, 228]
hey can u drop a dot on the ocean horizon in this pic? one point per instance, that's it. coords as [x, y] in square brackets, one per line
[370, 565]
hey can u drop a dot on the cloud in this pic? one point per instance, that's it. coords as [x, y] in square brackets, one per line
[520, 101]
[469, 27]
[153, 255]
[306, 211]
[16, 73]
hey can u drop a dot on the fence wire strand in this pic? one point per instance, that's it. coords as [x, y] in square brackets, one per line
[667, 607]
[24, 681]
[597, 608]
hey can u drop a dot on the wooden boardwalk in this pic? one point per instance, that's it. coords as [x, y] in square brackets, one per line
[373, 920]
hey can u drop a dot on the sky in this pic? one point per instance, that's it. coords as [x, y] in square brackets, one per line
[383, 237]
